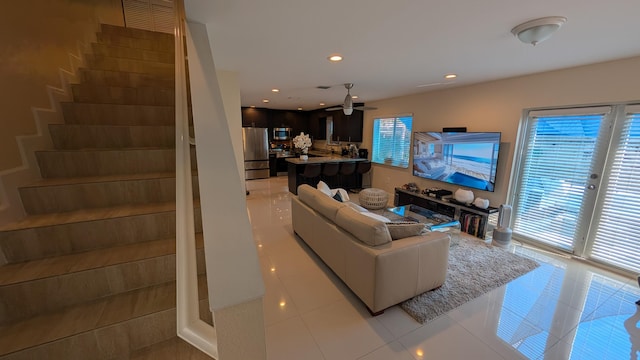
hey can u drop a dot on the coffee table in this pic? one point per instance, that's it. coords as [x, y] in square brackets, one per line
[433, 221]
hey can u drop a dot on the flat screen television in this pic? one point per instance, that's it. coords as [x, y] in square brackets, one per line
[467, 159]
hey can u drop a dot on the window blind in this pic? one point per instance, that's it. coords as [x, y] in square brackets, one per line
[557, 160]
[154, 15]
[392, 141]
[617, 236]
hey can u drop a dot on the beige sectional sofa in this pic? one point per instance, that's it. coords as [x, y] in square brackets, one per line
[359, 249]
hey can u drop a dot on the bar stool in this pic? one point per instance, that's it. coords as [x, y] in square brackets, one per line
[347, 169]
[362, 168]
[330, 173]
[310, 174]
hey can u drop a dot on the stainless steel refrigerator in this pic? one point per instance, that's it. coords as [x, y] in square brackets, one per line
[256, 152]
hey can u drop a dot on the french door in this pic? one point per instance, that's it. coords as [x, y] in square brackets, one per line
[576, 182]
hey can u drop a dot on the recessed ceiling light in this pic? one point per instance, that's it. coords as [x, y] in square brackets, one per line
[335, 58]
[450, 76]
[253, 106]
[265, 100]
[275, 90]
[299, 108]
[354, 96]
[322, 104]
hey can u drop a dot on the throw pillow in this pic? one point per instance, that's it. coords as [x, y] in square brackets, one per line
[343, 193]
[400, 230]
[322, 186]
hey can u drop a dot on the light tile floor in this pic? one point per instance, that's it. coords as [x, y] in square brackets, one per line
[564, 309]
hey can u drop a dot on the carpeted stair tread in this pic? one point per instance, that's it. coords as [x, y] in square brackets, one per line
[113, 94]
[88, 215]
[90, 316]
[66, 264]
[117, 114]
[135, 32]
[86, 137]
[99, 179]
[99, 62]
[126, 52]
[174, 348]
[131, 149]
[124, 78]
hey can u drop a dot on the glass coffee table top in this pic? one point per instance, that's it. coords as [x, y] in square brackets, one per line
[434, 221]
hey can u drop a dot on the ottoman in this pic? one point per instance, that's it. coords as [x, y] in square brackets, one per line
[373, 199]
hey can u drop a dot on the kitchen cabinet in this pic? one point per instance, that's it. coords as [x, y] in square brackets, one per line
[273, 161]
[347, 128]
[255, 117]
[318, 124]
[297, 120]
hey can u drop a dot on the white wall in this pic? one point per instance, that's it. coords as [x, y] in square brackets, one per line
[230, 91]
[498, 106]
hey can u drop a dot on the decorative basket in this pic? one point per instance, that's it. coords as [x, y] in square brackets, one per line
[373, 199]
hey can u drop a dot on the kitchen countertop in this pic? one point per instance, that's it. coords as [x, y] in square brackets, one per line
[322, 159]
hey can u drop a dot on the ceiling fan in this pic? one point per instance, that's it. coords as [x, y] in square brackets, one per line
[347, 107]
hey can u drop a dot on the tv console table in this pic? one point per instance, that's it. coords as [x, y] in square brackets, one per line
[473, 220]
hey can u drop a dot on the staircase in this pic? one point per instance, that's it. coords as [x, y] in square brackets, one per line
[90, 271]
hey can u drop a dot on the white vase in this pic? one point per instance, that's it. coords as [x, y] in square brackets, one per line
[304, 157]
[463, 196]
[481, 203]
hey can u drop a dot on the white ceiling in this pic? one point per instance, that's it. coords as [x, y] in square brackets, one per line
[390, 48]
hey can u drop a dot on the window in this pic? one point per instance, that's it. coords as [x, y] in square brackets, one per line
[617, 235]
[392, 141]
[575, 184]
[555, 165]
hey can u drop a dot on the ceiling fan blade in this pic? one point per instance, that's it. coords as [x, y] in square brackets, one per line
[334, 108]
[365, 108]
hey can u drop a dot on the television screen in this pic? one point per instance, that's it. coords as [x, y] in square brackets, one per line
[468, 159]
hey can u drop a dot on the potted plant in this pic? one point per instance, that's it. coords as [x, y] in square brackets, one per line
[302, 142]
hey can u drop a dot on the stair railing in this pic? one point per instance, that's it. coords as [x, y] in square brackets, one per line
[189, 325]
[234, 278]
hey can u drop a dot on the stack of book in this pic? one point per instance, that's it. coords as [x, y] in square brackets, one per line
[472, 224]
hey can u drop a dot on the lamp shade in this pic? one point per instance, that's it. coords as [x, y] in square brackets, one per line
[347, 108]
[535, 31]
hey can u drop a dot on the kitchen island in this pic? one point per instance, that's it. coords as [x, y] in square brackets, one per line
[296, 167]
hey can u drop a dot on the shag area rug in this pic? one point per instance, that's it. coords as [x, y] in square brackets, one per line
[474, 269]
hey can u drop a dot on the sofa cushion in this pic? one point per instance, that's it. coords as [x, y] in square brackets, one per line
[403, 229]
[320, 202]
[370, 231]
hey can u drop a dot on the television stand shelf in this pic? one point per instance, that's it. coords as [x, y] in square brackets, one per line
[473, 220]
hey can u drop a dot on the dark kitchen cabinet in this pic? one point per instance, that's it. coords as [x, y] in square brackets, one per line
[347, 128]
[255, 117]
[297, 120]
[273, 161]
[318, 124]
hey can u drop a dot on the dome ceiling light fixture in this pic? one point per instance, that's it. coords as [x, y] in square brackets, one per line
[538, 30]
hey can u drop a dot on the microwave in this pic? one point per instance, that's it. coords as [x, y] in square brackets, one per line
[281, 133]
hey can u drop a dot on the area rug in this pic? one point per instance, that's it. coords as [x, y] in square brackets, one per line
[474, 269]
